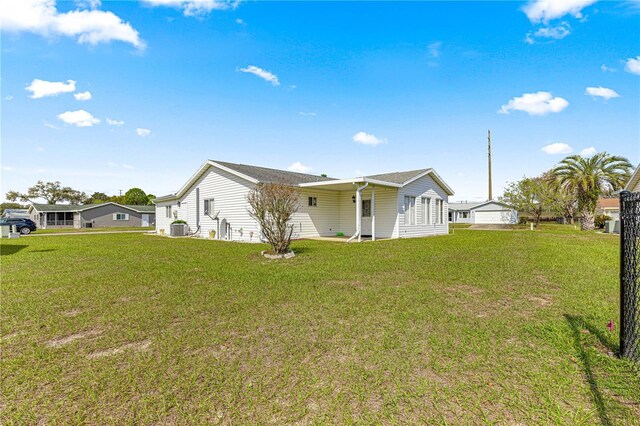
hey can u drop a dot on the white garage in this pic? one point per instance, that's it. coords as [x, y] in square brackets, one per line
[487, 212]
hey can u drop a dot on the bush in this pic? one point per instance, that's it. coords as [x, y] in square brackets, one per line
[272, 205]
[601, 219]
[522, 220]
[179, 221]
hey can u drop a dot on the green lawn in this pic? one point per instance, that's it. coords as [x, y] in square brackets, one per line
[115, 228]
[479, 327]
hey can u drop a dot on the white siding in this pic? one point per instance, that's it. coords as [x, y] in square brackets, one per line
[423, 187]
[163, 222]
[229, 193]
[321, 220]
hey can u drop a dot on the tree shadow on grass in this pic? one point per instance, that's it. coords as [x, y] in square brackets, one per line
[577, 324]
[7, 249]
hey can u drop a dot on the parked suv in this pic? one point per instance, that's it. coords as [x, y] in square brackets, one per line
[23, 226]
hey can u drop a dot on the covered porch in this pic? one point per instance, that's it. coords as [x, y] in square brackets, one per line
[363, 209]
[57, 220]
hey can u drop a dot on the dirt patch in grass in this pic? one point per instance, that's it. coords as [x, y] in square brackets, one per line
[61, 341]
[540, 301]
[466, 289]
[133, 346]
[72, 313]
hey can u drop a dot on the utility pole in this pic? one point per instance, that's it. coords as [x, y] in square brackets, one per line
[489, 159]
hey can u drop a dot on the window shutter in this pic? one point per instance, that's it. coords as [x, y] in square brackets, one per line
[115, 216]
[126, 216]
[206, 207]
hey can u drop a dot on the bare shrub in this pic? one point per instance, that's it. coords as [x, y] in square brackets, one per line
[272, 206]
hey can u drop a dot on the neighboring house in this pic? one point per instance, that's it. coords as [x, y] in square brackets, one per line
[486, 212]
[15, 214]
[392, 205]
[610, 207]
[91, 215]
[634, 183]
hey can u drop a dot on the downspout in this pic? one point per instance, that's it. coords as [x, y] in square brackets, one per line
[358, 213]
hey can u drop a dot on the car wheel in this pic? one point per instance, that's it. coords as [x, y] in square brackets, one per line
[24, 230]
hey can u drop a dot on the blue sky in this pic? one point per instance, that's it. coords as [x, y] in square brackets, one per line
[340, 88]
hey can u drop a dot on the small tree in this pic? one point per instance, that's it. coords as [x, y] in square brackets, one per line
[136, 197]
[52, 192]
[530, 195]
[98, 198]
[272, 206]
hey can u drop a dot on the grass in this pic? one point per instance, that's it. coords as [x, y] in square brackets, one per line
[479, 327]
[88, 230]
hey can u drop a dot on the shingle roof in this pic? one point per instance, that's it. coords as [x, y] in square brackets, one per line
[464, 206]
[397, 177]
[266, 175]
[78, 208]
[608, 202]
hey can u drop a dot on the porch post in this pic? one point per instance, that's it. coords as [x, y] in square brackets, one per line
[359, 214]
[373, 213]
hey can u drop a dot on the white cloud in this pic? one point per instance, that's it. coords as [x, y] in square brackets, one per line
[588, 152]
[308, 114]
[240, 21]
[82, 96]
[558, 32]
[557, 148]
[8, 98]
[263, 74]
[195, 7]
[367, 139]
[39, 148]
[632, 65]
[435, 49]
[602, 92]
[143, 133]
[548, 10]
[111, 122]
[605, 68]
[88, 26]
[539, 103]
[80, 118]
[114, 165]
[41, 88]
[299, 168]
[51, 126]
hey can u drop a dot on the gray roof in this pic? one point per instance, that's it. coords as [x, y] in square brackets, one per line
[265, 175]
[471, 206]
[397, 177]
[78, 208]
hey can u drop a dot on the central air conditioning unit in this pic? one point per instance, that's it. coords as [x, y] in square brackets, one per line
[179, 230]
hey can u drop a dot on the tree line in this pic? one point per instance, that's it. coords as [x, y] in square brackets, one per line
[572, 187]
[54, 192]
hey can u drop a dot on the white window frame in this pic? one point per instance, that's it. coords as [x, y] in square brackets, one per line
[167, 212]
[208, 210]
[439, 211]
[313, 202]
[125, 217]
[426, 210]
[409, 210]
[366, 212]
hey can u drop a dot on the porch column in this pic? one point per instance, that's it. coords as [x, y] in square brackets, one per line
[359, 214]
[373, 213]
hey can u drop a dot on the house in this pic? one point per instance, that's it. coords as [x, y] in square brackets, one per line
[15, 214]
[486, 212]
[634, 182]
[609, 206]
[91, 215]
[392, 205]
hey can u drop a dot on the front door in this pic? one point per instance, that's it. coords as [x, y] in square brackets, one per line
[145, 220]
[366, 218]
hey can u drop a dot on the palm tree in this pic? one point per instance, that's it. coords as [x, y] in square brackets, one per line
[589, 178]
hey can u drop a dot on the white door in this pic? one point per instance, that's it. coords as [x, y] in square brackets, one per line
[495, 217]
[366, 218]
[145, 220]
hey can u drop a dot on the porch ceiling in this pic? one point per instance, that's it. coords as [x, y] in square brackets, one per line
[348, 184]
